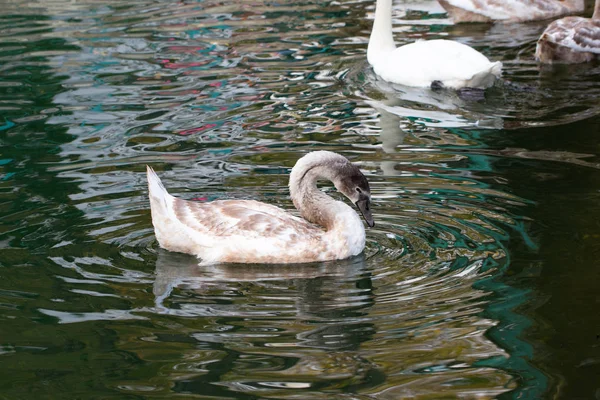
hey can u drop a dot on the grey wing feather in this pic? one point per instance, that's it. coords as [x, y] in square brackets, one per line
[240, 217]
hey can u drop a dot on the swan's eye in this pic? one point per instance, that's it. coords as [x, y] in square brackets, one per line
[358, 190]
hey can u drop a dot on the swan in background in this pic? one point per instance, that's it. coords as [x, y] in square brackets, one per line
[571, 40]
[248, 231]
[509, 10]
[439, 62]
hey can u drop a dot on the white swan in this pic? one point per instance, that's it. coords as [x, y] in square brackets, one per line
[423, 63]
[509, 10]
[248, 231]
[571, 40]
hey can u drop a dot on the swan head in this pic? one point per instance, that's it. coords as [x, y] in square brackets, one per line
[346, 178]
[354, 185]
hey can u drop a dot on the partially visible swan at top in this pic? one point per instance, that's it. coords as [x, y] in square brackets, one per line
[571, 40]
[248, 231]
[423, 63]
[509, 10]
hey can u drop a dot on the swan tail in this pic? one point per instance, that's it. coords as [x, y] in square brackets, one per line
[496, 69]
[171, 232]
[159, 197]
[486, 78]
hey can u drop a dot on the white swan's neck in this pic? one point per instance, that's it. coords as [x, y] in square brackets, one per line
[314, 205]
[596, 15]
[381, 40]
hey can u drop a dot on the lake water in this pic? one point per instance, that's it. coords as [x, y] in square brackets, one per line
[481, 278]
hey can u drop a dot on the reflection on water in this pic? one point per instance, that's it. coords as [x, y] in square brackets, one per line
[222, 99]
[327, 321]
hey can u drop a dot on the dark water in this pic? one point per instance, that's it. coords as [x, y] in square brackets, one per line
[481, 278]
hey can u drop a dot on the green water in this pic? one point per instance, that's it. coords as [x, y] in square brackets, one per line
[480, 279]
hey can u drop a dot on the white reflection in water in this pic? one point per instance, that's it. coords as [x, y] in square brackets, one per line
[107, 315]
[175, 270]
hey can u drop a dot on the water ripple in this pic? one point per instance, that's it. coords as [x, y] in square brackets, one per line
[222, 99]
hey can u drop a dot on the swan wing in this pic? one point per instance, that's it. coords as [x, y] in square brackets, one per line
[580, 34]
[221, 218]
[242, 218]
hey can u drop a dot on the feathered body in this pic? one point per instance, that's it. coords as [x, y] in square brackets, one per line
[509, 10]
[452, 64]
[248, 231]
[571, 40]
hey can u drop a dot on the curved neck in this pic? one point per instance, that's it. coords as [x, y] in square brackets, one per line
[314, 205]
[381, 40]
[596, 15]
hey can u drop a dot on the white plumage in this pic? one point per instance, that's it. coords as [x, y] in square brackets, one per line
[454, 65]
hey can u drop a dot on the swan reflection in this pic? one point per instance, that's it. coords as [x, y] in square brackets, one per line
[312, 315]
[314, 288]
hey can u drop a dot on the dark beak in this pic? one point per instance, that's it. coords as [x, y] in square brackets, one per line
[364, 205]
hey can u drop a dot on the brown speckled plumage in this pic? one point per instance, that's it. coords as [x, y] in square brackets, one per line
[570, 40]
[248, 231]
[509, 10]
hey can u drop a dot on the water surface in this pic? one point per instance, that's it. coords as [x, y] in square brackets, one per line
[480, 278]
